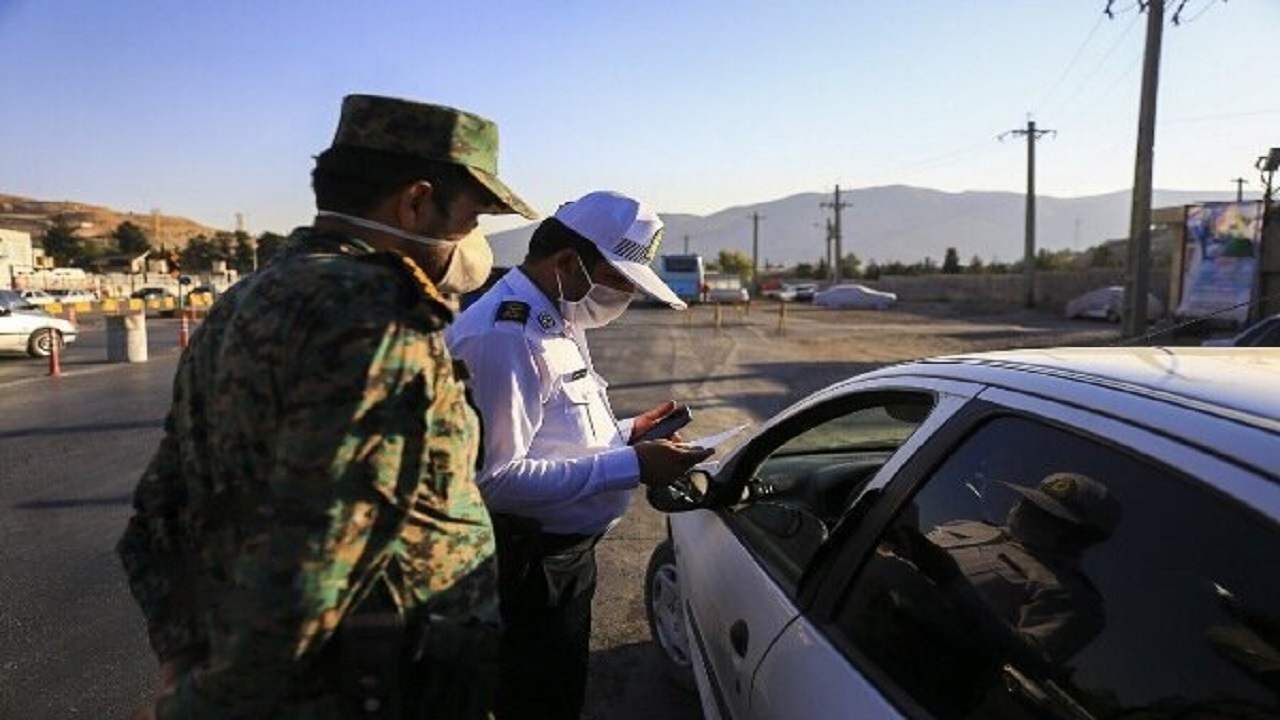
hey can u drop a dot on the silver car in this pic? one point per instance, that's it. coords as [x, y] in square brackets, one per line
[1061, 533]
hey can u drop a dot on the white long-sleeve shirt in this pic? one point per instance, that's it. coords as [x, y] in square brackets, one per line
[553, 450]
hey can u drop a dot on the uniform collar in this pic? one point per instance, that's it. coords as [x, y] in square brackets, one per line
[331, 241]
[543, 312]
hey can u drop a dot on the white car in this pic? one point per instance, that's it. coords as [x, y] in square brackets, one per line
[1107, 303]
[798, 292]
[728, 295]
[32, 331]
[857, 297]
[37, 297]
[1060, 533]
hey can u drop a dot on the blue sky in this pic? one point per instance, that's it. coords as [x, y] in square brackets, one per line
[208, 109]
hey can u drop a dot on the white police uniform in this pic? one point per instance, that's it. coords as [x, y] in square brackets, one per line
[553, 450]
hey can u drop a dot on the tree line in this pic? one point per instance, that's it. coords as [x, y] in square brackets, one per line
[239, 250]
[735, 262]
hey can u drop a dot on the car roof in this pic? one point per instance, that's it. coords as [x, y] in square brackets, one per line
[1225, 399]
[1242, 381]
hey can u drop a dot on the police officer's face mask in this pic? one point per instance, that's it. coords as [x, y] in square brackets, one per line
[600, 305]
[469, 264]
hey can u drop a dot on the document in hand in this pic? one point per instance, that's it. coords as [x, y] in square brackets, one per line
[712, 441]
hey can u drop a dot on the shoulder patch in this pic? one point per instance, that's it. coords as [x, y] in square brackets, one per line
[546, 321]
[512, 311]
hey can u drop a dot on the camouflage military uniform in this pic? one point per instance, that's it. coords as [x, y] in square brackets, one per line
[318, 446]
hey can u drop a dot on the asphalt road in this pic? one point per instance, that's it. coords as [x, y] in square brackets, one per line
[72, 643]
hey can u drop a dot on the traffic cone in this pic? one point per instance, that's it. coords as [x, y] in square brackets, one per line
[55, 351]
[184, 330]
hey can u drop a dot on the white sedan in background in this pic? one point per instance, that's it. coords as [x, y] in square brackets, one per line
[856, 297]
[1061, 533]
[1107, 303]
[32, 331]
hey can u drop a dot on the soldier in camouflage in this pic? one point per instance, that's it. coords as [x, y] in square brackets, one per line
[316, 472]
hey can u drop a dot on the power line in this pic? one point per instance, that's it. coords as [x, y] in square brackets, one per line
[1084, 82]
[1070, 64]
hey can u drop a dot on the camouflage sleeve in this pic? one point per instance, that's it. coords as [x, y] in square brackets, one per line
[151, 550]
[349, 444]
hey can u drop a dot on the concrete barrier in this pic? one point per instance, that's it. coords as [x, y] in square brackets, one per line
[127, 337]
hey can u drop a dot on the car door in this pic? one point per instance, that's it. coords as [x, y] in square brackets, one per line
[1044, 561]
[740, 567]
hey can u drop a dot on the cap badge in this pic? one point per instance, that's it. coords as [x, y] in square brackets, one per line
[545, 320]
[1062, 487]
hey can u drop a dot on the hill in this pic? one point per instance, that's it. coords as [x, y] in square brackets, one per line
[33, 216]
[897, 222]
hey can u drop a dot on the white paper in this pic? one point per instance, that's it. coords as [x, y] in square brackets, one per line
[712, 441]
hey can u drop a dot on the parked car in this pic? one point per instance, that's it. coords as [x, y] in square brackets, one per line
[202, 293]
[1264, 333]
[798, 292]
[24, 329]
[37, 297]
[152, 293]
[1061, 533]
[73, 296]
[13, 300]
[728, 295]
[857, 297]
[1107, 303]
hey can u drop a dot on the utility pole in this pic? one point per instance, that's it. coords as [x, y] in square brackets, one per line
[1240, 183]
[755, 251]
[831, 239]
[1139, 265]
[1029, 235]
[836, 206]
[686, 244]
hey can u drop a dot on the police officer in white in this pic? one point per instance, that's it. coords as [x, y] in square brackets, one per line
[558, 467]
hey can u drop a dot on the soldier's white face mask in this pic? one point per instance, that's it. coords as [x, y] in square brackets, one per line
[600, 305]
[469, 264]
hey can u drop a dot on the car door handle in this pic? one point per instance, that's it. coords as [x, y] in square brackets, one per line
[739, 637]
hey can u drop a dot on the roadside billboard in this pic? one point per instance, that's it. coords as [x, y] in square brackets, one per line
[1220, 264]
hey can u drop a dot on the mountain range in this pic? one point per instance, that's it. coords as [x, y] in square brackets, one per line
[895, 222]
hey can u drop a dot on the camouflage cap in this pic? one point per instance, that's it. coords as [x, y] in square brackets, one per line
[429, 132]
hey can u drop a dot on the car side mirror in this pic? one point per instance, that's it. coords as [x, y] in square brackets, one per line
[697, 490]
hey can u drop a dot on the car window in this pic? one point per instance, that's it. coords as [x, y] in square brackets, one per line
[811, 470]
[1039, 573]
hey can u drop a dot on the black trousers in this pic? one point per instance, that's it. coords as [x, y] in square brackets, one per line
[545, 586]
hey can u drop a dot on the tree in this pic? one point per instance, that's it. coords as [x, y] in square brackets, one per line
[61, 242]
[269, 244]
[951, 262]
[735, 262]
[872, 272]
[804, 270]
[242, 255]
[850, 266]
[130, 239]
[976, 266]
[821, 271]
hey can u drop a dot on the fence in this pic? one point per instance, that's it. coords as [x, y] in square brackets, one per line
[1052, 289]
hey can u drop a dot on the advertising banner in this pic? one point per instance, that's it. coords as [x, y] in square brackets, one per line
[1221, 259]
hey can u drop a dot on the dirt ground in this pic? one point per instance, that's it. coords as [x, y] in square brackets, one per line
[743, 367]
